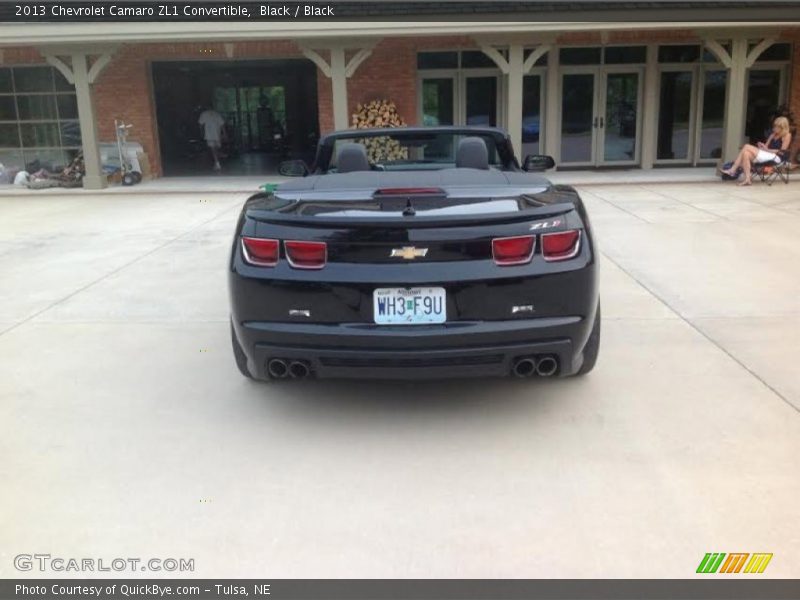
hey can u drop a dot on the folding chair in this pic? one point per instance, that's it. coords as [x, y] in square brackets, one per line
[768, 172]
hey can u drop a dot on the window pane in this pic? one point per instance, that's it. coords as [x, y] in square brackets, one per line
[36, 108]
[763, 88]
[618, 55]
[577, 124]
[482, 101]
[8, 109]
[13, 163]
[775, 52]
[67, 106]
[5, 81]
[70, 133]
[709, 56]
[678, 54]
[580, 56]
[437, 60]
[62, 85]
[473, 59]
[713, 114]
[622, 104]
[531, 114]
[674, 113]
[9, 135]
[33, 79]
[539, 63]
[437, 102]
[39, 134]
[52, 160]
[70, 154]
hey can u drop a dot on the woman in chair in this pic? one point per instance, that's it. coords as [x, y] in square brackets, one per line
[769, 151]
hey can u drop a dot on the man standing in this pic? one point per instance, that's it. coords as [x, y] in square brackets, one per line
[213, 131]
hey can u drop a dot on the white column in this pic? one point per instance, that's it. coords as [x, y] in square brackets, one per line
[552, 106]
[514, 98]
[649, 102]
[339, 70]
[339, 87]
[94, 178]
[82, 76]
[735, 102]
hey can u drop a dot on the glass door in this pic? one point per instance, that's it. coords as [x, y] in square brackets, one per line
[691, 115]
[711, 111]
[618, 141]
[676, 116]
[532, 114]
[480, 100]
[763, 96]
[438, 101]
[578, 118]
[600, 116]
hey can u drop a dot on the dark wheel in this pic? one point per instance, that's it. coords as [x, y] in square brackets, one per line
[128, 179]
[238, 354]
[592, 347]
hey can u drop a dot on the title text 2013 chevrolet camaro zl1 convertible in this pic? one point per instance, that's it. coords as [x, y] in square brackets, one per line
[415, 253]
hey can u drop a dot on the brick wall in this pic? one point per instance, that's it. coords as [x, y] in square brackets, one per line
[20, 56]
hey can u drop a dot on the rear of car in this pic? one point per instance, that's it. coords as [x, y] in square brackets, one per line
[445, 273]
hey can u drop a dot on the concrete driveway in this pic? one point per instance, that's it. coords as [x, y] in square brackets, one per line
[126, 431]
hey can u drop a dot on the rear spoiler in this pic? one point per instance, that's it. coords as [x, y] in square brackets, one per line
[417, 221]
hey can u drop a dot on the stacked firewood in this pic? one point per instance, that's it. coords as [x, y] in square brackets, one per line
[380, 113]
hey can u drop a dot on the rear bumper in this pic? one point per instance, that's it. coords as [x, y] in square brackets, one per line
[453, 350]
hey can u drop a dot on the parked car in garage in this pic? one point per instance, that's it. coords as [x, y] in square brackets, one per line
[393, 257]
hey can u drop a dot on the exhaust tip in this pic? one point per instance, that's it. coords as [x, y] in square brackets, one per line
[298, 369]
[277, 368]
[546, 366]
[524, 367]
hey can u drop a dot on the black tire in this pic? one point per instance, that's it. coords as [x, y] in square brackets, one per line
[592, 347]
[128, 179]
[238, 354]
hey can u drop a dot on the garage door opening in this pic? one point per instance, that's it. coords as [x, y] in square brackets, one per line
[269, 108]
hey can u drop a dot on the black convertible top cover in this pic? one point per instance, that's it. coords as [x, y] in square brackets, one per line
[443, 178]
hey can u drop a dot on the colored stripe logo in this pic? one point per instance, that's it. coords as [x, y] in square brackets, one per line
[735, 562]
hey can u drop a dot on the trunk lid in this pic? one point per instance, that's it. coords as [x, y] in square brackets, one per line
[389, 222]
[446, 196]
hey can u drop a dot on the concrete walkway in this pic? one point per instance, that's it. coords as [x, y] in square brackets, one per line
[125, 429]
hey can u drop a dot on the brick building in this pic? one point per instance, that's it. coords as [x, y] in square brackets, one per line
[658, 90]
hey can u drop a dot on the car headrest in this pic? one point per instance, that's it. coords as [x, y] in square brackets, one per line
[352, 157]
[472, 154]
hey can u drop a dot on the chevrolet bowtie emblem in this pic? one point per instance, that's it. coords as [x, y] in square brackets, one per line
[408, 252]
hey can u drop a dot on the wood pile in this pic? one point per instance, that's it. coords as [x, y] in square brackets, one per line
[380, 113]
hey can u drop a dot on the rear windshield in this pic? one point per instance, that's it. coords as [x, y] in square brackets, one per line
[413, 152]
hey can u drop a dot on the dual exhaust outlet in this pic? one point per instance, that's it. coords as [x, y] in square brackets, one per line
[281, 368]
[528, 366]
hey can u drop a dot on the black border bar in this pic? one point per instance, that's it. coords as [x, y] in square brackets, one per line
[78, 11]
[715, 587]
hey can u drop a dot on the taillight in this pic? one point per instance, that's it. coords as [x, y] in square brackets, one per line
[306, 255]
[513, 250]
[561, 245]
[260, 252]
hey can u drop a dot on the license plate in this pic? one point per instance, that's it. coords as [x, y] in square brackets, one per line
[409, 306]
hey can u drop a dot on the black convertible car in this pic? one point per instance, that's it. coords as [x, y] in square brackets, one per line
[415, 253]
